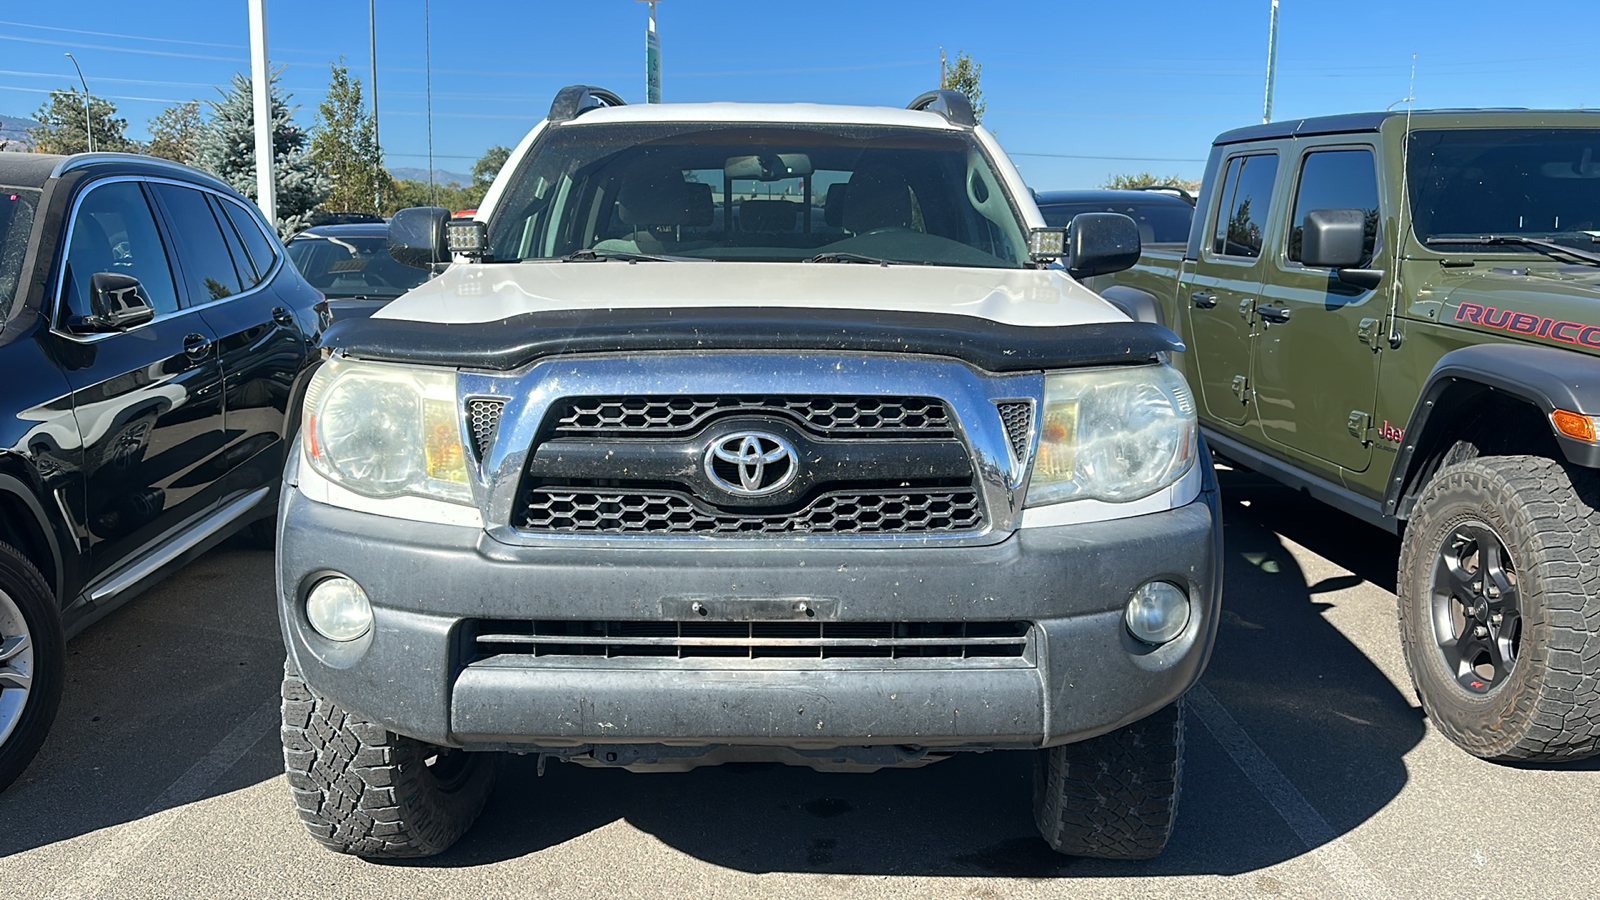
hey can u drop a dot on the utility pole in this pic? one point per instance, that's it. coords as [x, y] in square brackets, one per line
[1272, 62]
[943, 69]
[372, 31]
[88, 127]
[652, 58]
[261, 83]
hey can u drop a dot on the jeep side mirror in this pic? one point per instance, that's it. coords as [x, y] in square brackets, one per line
[417, 237]
[1337, 239]
[117, 302]
[1100, 243]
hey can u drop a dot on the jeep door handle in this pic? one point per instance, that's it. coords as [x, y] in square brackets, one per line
[282, 316]
[196, 346]
[1203, 300]
[1277, 315]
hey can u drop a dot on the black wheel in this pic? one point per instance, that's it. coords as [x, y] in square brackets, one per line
[1114, 796]
[1499, 596]
[32, 662]
[364, 790]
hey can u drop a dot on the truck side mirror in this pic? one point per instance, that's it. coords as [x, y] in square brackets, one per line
[1101, 243]
[1333, 238]
[417, 237]
[117, 302]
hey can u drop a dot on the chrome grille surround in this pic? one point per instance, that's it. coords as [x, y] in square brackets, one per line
[969, 396]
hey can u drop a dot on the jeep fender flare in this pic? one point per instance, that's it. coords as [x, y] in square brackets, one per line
[1140, 306]
[1544, 377]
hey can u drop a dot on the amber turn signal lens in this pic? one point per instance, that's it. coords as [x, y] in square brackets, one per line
[1574, 425]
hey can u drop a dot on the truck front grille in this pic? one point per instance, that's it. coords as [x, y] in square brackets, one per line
[567, 510]
[752, 640]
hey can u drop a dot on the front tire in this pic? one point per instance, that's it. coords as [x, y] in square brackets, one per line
[32, 662]
[364, 790]
[1114, 796]
[1499, 601]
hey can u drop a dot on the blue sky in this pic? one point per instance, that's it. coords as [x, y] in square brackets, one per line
[1076, 91]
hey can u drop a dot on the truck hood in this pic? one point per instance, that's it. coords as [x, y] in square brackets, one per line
[478, 293]
[1552, 304]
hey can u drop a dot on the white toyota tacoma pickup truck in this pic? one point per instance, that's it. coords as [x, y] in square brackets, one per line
[746, 432]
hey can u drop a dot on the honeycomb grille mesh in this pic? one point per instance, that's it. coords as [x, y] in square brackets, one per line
[923, 416]
[483, 417]
[554, 510]
[1018, 418]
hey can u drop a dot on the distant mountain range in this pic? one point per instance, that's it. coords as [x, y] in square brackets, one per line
[440, 176]
[15, 129]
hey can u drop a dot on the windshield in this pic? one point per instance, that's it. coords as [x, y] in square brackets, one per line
[1159, 223]
[759, 193]
[1470, 184]
[16, 224]
[343, 266]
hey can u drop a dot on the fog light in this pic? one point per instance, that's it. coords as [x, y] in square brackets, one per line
[1158, 612]
[338, 609]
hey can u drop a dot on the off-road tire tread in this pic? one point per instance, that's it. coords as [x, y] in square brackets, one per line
[364, 790]
[1552, 527]
[49, 655]
[1113, 796]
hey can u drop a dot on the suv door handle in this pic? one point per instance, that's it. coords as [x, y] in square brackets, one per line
[1203, 300]
[1274, 314]
[196, 346]
[282, 316]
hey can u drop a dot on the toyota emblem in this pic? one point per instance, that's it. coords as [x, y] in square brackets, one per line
[751, 463]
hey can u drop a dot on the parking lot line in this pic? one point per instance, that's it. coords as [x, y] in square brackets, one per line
[102, 866]
[1343, 865]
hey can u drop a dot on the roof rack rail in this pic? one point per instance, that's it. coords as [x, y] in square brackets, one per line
[572, 102]
[953, 105]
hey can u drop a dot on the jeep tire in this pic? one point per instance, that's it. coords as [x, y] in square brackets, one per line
[1114, 796]
[1499, 601]
[364, 790]
[32, 662]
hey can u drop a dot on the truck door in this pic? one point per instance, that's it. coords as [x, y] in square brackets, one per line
[1316, 372]
[1221, 293]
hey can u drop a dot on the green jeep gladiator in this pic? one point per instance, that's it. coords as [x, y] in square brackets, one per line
[1400, 315]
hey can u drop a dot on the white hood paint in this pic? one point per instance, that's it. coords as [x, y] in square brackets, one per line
[489, 292]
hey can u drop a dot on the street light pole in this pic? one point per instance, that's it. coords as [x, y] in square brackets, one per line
[652, 58]
[1272, 62]
[261, 83]
[88, 126]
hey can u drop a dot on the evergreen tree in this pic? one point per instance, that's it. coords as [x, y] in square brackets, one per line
[175, 134]
[1145, 179]
[61, 128]
[345, 147]
[227, 148]
[964, 76]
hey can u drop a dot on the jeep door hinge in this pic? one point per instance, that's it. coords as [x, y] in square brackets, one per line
[1360, 423]
[1367, 332]
[1241, 388]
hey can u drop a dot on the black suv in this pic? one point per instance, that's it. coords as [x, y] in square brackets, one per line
[153, 344]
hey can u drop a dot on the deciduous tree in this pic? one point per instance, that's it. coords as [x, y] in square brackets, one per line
[344, 145]
[175, 134]
[61, 125]
[964, 75]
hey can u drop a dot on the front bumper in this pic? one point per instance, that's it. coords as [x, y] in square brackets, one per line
[416, 672]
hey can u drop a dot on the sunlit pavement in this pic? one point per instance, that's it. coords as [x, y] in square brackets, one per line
[1311, 773]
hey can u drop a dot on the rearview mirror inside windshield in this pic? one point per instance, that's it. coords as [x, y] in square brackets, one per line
[768, 166]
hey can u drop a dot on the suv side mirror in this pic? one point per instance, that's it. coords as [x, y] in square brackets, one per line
[117, 302]
[1101, 243]
[1337, 239]
[417, 237]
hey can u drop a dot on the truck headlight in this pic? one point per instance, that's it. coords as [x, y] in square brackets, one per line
[383, 430]
[1114, 434]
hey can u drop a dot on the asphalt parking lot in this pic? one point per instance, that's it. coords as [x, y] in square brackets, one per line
[1311, 773]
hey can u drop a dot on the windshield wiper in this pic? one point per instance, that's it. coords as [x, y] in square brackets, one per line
[1550, 247]
[840, 257]
[592, 255]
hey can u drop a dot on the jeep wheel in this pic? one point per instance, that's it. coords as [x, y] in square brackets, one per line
[1499, 594]
[1114, 796]
[32, 662]
[364, 790]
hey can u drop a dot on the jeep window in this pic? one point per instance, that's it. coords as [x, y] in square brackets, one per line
[1159, 223]
[780, 193]
[1337, 179]
[1470, 184]
[1246, 200]
[16, 225]
[115, 231]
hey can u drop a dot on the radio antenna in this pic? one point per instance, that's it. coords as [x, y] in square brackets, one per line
[1395, 339]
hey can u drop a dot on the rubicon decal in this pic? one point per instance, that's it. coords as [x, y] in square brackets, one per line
[1531, 325]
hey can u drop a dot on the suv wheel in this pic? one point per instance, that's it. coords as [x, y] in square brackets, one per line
[1499, 594]
[32, 662]
[1114, 796]
[364, 790]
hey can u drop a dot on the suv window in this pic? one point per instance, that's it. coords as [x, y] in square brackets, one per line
[1242, 218]
[1159, 223]
[115, 231]
[16, 226]
[255, 240]
[1337, 179]
[203, 253]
